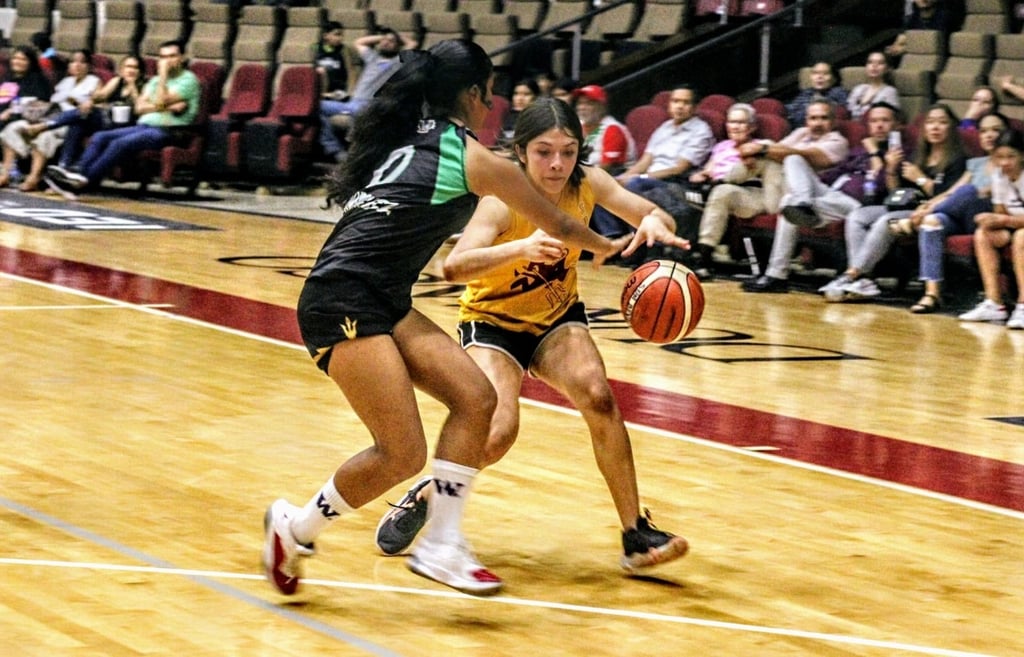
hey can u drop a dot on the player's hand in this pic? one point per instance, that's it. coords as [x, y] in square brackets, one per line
[651, 230]
[541, 247]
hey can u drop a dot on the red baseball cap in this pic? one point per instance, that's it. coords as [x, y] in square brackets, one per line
[592, 92]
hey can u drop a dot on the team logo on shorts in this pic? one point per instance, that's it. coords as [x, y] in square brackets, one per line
[349, 327]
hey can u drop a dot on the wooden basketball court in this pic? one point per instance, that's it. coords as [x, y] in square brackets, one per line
[850, 477]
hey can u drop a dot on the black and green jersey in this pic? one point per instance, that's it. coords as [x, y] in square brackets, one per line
[390, 229]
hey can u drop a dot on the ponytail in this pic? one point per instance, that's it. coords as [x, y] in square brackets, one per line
[427, 83]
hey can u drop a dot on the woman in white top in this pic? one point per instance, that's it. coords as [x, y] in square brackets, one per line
[70, 92]
[875, 89]
[999, 228]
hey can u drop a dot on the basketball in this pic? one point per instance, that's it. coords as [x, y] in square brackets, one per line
[662, 301]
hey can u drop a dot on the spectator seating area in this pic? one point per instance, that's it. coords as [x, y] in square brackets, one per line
[259, 117]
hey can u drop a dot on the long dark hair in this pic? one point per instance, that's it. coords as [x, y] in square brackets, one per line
[544, 114]
[954, 149]
[32, 55]
[428, 83]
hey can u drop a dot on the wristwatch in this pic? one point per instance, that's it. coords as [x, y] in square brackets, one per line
[922, 181]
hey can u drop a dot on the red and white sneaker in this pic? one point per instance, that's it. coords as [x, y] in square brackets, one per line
[453, 565]
[281, 552]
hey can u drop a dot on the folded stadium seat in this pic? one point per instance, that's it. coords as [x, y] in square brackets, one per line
[851, 76]
[717, 102]
[715, 119]
[1008, 60]
[166, 20]
[283, 143]
[479, 7]
[853, 130]
[559, 43]
[122, 30]
[529, 13]
[769, 105]
[75, 28]
[259, 29]
[642, 121]
[427, 7]
[772, 126]
[613, 29]
[354, 22]
[985, 17]
[213, 34]
[660, 20]
[388, 5]
[248, 97]
[32, 16]
[303, 25]
[491, 130]
[493, 32]
[915, 77]
[662, 98]
[441, 26]
[970, 57]
[404, 22]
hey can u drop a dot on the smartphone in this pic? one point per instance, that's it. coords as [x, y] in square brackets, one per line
[895, 139]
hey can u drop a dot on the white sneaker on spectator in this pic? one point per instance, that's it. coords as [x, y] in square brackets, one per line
[833, 290]
[1016, 320]
[986, 311]
[862, 288]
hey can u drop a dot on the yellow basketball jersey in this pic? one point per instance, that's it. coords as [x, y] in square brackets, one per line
[529, 296]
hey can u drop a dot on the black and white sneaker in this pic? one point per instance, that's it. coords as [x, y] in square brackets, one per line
[648, 546]
[398, 528]
[60, 188]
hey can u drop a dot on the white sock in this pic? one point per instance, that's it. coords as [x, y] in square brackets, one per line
[451, 486]
[324, 508]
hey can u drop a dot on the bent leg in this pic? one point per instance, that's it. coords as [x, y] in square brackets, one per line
[569, 361]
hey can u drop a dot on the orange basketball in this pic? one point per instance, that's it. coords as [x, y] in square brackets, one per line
[662, 301]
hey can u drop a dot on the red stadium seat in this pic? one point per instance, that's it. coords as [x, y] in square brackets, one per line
[642, 121]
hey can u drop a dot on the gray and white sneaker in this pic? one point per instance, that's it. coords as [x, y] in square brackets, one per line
[833, 290]
[398, 527]
[862, 288]
[986, 311]
[1016, 320]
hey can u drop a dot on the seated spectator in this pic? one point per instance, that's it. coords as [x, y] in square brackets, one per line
[24, 79]
[952, 212]
[523, 93]
[97, 112]
[937, 164]
[562, 90]
[984, 101]
[333, 63]
[923, 15]
[379, 53]
[999, 228]
[611, 146]
[815, 199]
[823, 86]
[545, 83]
[21, 139]
[875, 90]
[680, 144]
[724, 164]
[169, 100]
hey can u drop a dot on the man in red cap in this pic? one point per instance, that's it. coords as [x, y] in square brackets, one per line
[612, 147]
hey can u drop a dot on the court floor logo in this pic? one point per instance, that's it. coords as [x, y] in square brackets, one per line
[47, 214]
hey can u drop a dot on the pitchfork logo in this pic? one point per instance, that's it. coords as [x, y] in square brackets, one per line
[449, 488]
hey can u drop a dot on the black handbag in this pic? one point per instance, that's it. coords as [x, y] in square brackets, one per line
[903, 198]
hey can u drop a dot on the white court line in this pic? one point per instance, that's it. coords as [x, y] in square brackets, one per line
[554, 605]
[87, 306]
[757, 454]
[520, 602]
